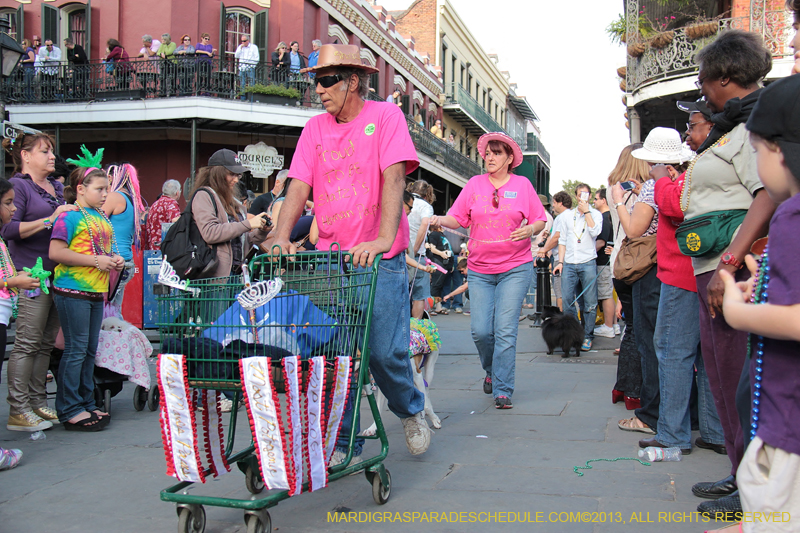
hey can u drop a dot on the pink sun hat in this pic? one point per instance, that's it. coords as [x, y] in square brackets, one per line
[483, 142]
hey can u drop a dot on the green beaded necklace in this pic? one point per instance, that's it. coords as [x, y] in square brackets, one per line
[9, 271]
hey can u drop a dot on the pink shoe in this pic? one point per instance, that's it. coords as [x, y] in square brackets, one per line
[9, 458]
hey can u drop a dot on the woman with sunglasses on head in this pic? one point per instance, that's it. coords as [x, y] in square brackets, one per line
[280, 63]
[205, 53]
[503, 213]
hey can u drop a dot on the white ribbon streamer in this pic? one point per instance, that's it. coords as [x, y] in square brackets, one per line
[317, 468]
[292, 385]
[342, 382]
[212, 432]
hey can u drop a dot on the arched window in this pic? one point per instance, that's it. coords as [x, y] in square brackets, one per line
[76, 26]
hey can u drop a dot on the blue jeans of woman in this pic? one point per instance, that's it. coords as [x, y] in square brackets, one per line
[452, 281]
[495, 303]
[677, 344]
[80, 322]
[388, 344]
[530, 297]
[585, 274]
[646, 292]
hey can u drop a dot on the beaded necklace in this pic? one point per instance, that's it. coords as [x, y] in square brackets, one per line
[686, 191]
[9, 271]
[91, 223]
[759, 297]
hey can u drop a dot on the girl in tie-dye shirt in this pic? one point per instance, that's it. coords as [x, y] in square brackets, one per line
[84, 247]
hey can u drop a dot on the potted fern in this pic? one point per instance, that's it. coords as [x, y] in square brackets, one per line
[272, 94]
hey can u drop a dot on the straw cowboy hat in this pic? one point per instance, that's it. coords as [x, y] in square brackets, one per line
[503, 138]
[340, 55]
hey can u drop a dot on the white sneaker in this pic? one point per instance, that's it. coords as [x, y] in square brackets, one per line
[225, 405]
[616, 329]
[604, 331]
[339, 456]
[418, 434]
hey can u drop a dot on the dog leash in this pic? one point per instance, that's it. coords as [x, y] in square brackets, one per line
[587, 287]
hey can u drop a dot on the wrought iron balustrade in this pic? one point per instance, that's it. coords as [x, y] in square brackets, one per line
[431, 145]
[534, 144]
[458, 95]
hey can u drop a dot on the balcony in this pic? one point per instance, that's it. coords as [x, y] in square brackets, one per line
[675, 58]
[534, 145]
[431, 145]
[465, 110]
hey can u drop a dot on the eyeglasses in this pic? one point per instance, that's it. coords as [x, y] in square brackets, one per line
[699, 82]
[245, 40]
[329, 81]
[495, 199]
[187, 39]
[232, 175]
[410, 206]
[690, 125]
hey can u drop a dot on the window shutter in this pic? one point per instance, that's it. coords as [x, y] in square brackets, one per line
[222, 16]
[50, 21]
[88, 43]
[20, 24]
[407, 109]
[261, 25]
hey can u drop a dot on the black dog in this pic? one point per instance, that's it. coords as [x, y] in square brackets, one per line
[561, 330]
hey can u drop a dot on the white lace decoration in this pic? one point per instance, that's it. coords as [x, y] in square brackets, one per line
[167, 276]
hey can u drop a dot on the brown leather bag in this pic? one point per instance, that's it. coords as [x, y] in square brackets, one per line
[635, 258]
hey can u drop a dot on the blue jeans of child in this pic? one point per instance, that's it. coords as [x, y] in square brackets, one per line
[677, 344]
[585, 273]
[388, 344]
[80, 322]
[495, 303]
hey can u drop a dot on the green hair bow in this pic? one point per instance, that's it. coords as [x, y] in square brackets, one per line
[87, 159]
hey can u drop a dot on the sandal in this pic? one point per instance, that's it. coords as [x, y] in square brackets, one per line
[634, 424]
[90, 424]
[444, 311]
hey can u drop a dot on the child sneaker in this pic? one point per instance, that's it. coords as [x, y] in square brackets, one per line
[502, 402]
[9, 458]
[29, 421]
[47, 413]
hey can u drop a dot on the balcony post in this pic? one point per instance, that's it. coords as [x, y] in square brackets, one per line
[631, 35]
[635, 125]
[193, 149]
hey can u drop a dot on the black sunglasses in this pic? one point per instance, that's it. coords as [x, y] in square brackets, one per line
[495, 199]
[329, 81]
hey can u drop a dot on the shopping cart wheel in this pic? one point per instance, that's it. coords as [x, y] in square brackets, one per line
[139, 397]
[153, 397]
[253, 481]
[258, 521]
[191, 519]
[381, 493]
[107, 401]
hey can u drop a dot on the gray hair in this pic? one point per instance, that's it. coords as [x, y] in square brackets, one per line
[363, 79]
[738, 55]
[282, 175]
[171, 188]
[147, 38]
[167, 35]
[316, 42]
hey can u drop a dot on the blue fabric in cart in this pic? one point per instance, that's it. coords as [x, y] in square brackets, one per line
[281, 322]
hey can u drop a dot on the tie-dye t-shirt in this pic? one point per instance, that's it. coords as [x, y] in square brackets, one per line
[71, 227]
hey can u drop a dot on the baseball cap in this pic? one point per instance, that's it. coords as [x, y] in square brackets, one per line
[698, 106]
[228, 159]
[776, 117]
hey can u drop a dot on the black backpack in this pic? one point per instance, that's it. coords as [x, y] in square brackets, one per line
[184, 247]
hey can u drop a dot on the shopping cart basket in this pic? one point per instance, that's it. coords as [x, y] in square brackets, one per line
[323, 309]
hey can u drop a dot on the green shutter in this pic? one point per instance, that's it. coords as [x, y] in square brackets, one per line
[50, 22]
[88, 43]
[222, 17]
[261, 21]
[20, 24]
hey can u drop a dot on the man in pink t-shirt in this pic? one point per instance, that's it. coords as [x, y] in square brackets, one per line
[354, 160]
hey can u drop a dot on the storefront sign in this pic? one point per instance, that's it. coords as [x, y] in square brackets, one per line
[261, 160]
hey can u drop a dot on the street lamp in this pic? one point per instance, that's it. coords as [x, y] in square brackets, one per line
[10, 54]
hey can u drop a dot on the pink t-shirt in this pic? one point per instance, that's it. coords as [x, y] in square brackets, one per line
[344, 164]
[473, 208]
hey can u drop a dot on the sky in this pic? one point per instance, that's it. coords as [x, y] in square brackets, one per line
[563, 62]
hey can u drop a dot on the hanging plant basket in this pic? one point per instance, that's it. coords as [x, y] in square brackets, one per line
[701, 30]
[622, 72]
[636, 49]
[623, 86]
[662, 39]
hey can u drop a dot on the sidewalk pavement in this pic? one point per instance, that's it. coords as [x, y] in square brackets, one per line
[481, 460]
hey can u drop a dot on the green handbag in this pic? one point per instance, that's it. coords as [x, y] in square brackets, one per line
[709, 234]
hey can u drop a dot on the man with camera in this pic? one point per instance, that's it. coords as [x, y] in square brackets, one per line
[576, 249]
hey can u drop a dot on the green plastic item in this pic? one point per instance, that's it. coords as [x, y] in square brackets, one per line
[40, 273]
[589, 467]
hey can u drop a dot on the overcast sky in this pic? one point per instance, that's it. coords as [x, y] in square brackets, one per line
[563, 62]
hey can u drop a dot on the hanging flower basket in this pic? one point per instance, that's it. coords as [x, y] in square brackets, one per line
[622, 72]
[662, 39]
[701, 30]
[636, 49]
[623, 86]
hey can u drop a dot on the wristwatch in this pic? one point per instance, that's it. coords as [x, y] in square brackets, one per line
[729, 259]
[616, 205]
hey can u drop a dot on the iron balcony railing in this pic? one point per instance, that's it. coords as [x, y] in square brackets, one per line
[458, 95]
[672, 54]
[534, 144]
[429, 144]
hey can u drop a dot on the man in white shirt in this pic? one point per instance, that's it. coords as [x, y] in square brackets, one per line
[148, 71]
[576, 248]
[49, 58]
[248, 57]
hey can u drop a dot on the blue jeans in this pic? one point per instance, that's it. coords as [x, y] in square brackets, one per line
[646, 292]
[530, 297]
[452, 281]
[388, 344]
[80, 322]
[495, 303]
[247, 77]
[586, 273]
[677, 344]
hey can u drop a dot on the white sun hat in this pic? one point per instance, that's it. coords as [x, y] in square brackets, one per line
[663, 145]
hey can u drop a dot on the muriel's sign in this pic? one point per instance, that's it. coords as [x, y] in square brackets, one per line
[261, 160]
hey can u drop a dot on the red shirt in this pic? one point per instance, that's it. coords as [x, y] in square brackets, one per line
[674, 268]
[165, 209]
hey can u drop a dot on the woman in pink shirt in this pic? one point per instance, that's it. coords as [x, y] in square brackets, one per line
[503, 212]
